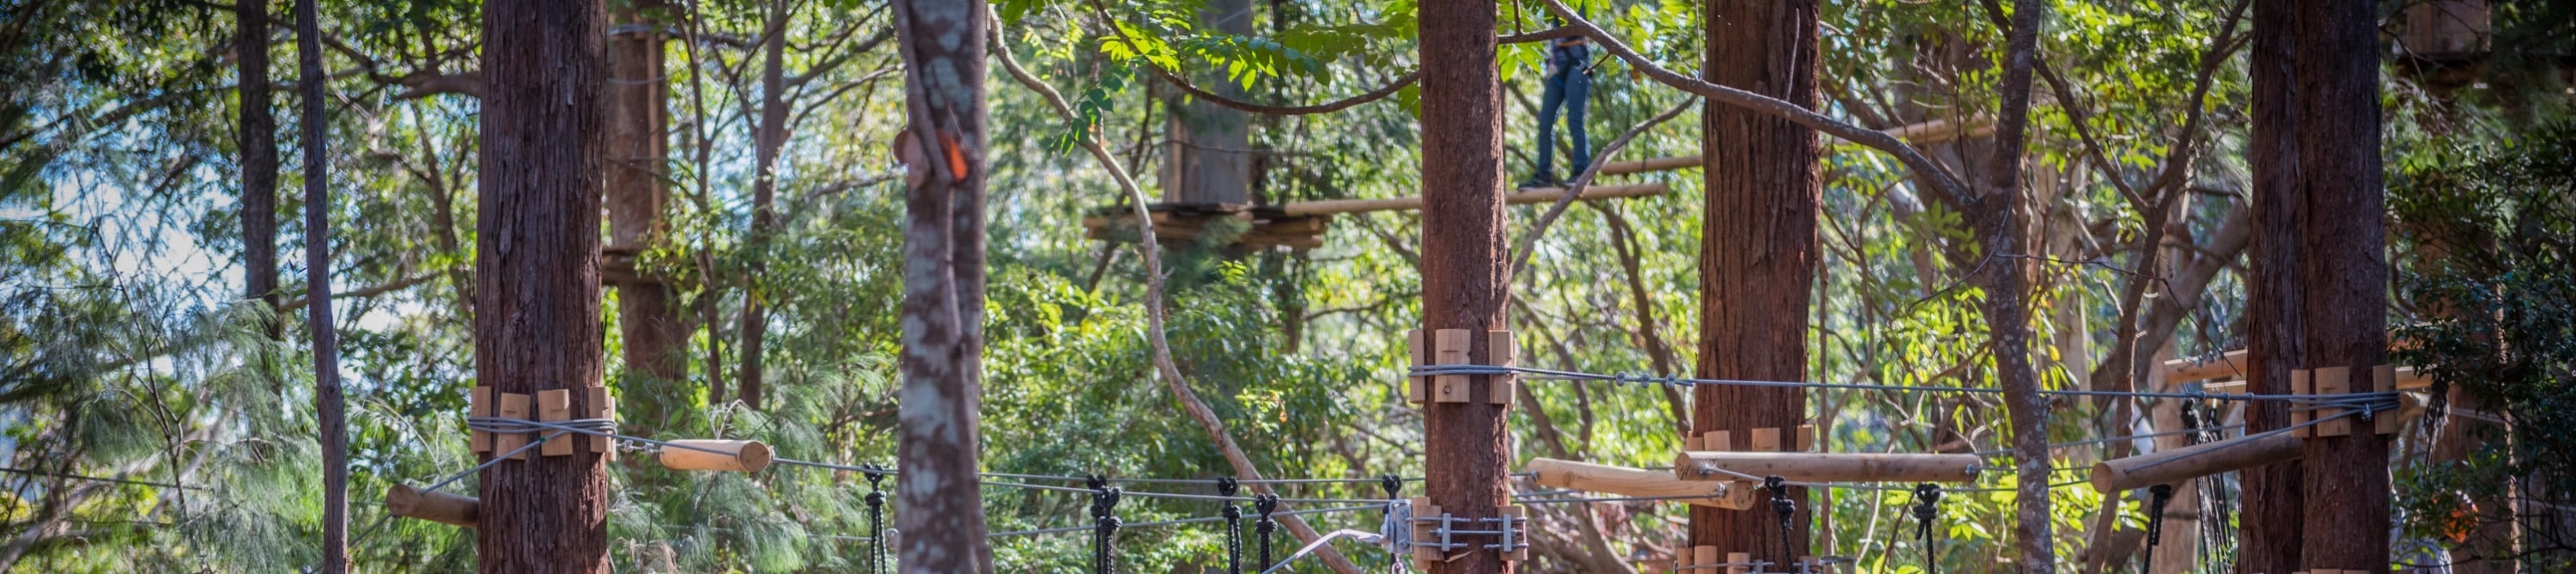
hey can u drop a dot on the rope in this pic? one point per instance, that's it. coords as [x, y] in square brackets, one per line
[1233, 528]
[2159, 496]
[1104, 518]
[876, 523]
[1788, 511]
[1265, 504]
[1927, 506]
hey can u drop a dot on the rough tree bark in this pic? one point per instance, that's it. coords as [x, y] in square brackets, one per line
[2270, 521]
[771, 135]
[1998, 221]
[329, 406]
[258, 140]
[1758, 253]
[943, 48]
[656, 339]
[1465, 275]
[2343, 271]
[536, 270]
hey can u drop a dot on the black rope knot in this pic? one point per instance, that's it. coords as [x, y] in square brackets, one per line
[2157, 497]
[876, 518]
[1927, 506]
[1787, 508]
[1265, 504]
[1391, 484]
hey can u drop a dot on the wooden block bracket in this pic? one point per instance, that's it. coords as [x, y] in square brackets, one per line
[1451, 347]
[554, 405]
[2339, 381]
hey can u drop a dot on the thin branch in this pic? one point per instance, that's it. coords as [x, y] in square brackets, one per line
[1152, 252]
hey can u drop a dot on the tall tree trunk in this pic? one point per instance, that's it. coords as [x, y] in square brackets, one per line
[2001, 232]
[2343, 271]
[943, 148]
[536, 263]
[258, 141]
[328, 404]
[656, 339]
[1207, 160]
[1758, 254]
[2271, 519]
[1465, 278]
[771, 136]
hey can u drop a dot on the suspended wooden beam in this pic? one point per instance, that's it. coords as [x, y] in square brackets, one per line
[1827, 467]
[2194, 461]
[1624, 481]
[1534, 195]
[731, 455]
[440, 507]
[1926, 133]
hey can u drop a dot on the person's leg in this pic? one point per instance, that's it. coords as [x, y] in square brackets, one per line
[1578, 96]
[1549, 98]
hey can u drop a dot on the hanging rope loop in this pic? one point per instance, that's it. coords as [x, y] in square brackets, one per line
[1927, 506]
[1263, 526]
[876, 518]
[1226, 486]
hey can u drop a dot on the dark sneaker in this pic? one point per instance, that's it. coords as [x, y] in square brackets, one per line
[1537, 182]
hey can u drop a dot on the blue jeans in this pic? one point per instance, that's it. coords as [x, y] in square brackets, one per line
[1571, 89]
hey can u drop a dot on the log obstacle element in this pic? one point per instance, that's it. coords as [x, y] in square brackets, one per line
[732, 455]
[1639, 483]
[1538, 195]
[2170, 466]
[1827, 467]
[440, 507]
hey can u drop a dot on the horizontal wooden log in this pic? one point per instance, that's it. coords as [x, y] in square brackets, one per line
[1827, 467]
[2180, 464]
[1641, 483]
[1926, 133]
[2232, 364]
[732, 455]
[1335, 206]
[440, 507]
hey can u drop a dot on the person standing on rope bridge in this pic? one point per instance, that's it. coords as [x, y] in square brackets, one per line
[1569, 86]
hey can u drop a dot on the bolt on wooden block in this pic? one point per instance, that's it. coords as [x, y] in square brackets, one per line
[2383, 379]
[2302, 383]
[478, 403]
[603, 406]
[1502, 351]
[1739, 558]
[1450, 348]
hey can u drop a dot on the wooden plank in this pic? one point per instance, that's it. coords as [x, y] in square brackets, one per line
[1807, 438]
[1739, 558]
[2229, 364]
[2301, 384]
[2383, 379]
[440, 507]
[1765, 439]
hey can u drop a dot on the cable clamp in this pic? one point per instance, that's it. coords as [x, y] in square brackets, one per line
[1435, 535]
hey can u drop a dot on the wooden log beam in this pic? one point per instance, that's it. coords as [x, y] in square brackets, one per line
[733, 455]
[1827, 467]
[1926, 133]
[440, 507]
[1537, 195]
[2197, 460]
[1641, 483]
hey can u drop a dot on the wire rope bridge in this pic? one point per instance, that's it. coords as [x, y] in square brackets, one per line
[1708, 472]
